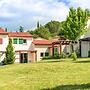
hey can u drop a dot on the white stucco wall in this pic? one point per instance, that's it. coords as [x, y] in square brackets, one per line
[87, 34]
[17, 57]
[88, 23]
[29, 57]
[41, 49]
[85, 46]
[45, 48]
[2, 55]
[27, 46]
[3, 46]
[5, 42]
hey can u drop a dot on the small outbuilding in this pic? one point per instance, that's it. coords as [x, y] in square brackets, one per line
[85, 47]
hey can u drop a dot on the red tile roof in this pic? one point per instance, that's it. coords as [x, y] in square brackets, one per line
[19, 34]
[2, 31]
[43, 42]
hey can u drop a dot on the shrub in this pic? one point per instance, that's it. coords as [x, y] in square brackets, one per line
[9, 54]
[74, 56]
[63, 55]
[51, 57]
[47, 57]
[77, 52]
[56, 55]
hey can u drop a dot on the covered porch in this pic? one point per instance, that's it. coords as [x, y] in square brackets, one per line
[25, 56]
[59, 44]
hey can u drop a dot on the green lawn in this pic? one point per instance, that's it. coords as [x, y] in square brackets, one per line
[47, 75]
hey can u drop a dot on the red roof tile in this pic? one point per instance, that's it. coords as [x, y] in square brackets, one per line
[2, 31]
[43, 42]
[19, 34]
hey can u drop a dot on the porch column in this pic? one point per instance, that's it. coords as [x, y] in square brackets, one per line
[52, 49]
[60, 49]
[33, 56]
[80, 47]
[19, 57]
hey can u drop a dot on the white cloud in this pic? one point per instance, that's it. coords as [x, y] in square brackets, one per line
[28, 12]
[80, 3]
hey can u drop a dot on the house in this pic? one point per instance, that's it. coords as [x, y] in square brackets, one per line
[22, 43]
[27, 49]
[45, 47]
[85, 42]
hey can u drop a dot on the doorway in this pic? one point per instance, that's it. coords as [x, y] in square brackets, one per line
[23, 57]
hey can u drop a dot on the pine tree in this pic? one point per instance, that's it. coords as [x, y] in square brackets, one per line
[21, 29]
[6, 29]
[38, 24]
[9, 55]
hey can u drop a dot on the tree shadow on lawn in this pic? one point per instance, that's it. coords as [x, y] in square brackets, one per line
[87, 61]
[52, 61]
[49, 61]
[70, 87]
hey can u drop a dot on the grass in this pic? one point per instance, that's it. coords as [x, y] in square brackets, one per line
[47, 75]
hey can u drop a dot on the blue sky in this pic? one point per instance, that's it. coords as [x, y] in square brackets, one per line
[26, 13]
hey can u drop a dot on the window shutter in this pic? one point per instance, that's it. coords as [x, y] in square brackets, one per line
[15, 41]
[20, 41]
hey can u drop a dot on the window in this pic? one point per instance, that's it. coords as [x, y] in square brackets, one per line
[24, 41]
[15, 41]
[46, 54]
[20, 41]
[41, 54]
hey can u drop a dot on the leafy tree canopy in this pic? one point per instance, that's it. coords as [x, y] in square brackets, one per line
[54, 27]
[75, 23]
[42, 32]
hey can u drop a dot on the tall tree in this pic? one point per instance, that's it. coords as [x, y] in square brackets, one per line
[6, 29]
[21, 29]
[33, 33]
[38, 24]
[42, 32]
[75, 23]
[54, 27]
[10, 54]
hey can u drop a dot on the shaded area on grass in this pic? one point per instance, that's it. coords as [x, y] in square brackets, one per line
[80, 60]
[70, 87]
[49, 61]
[55, 60]
[87, 61]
